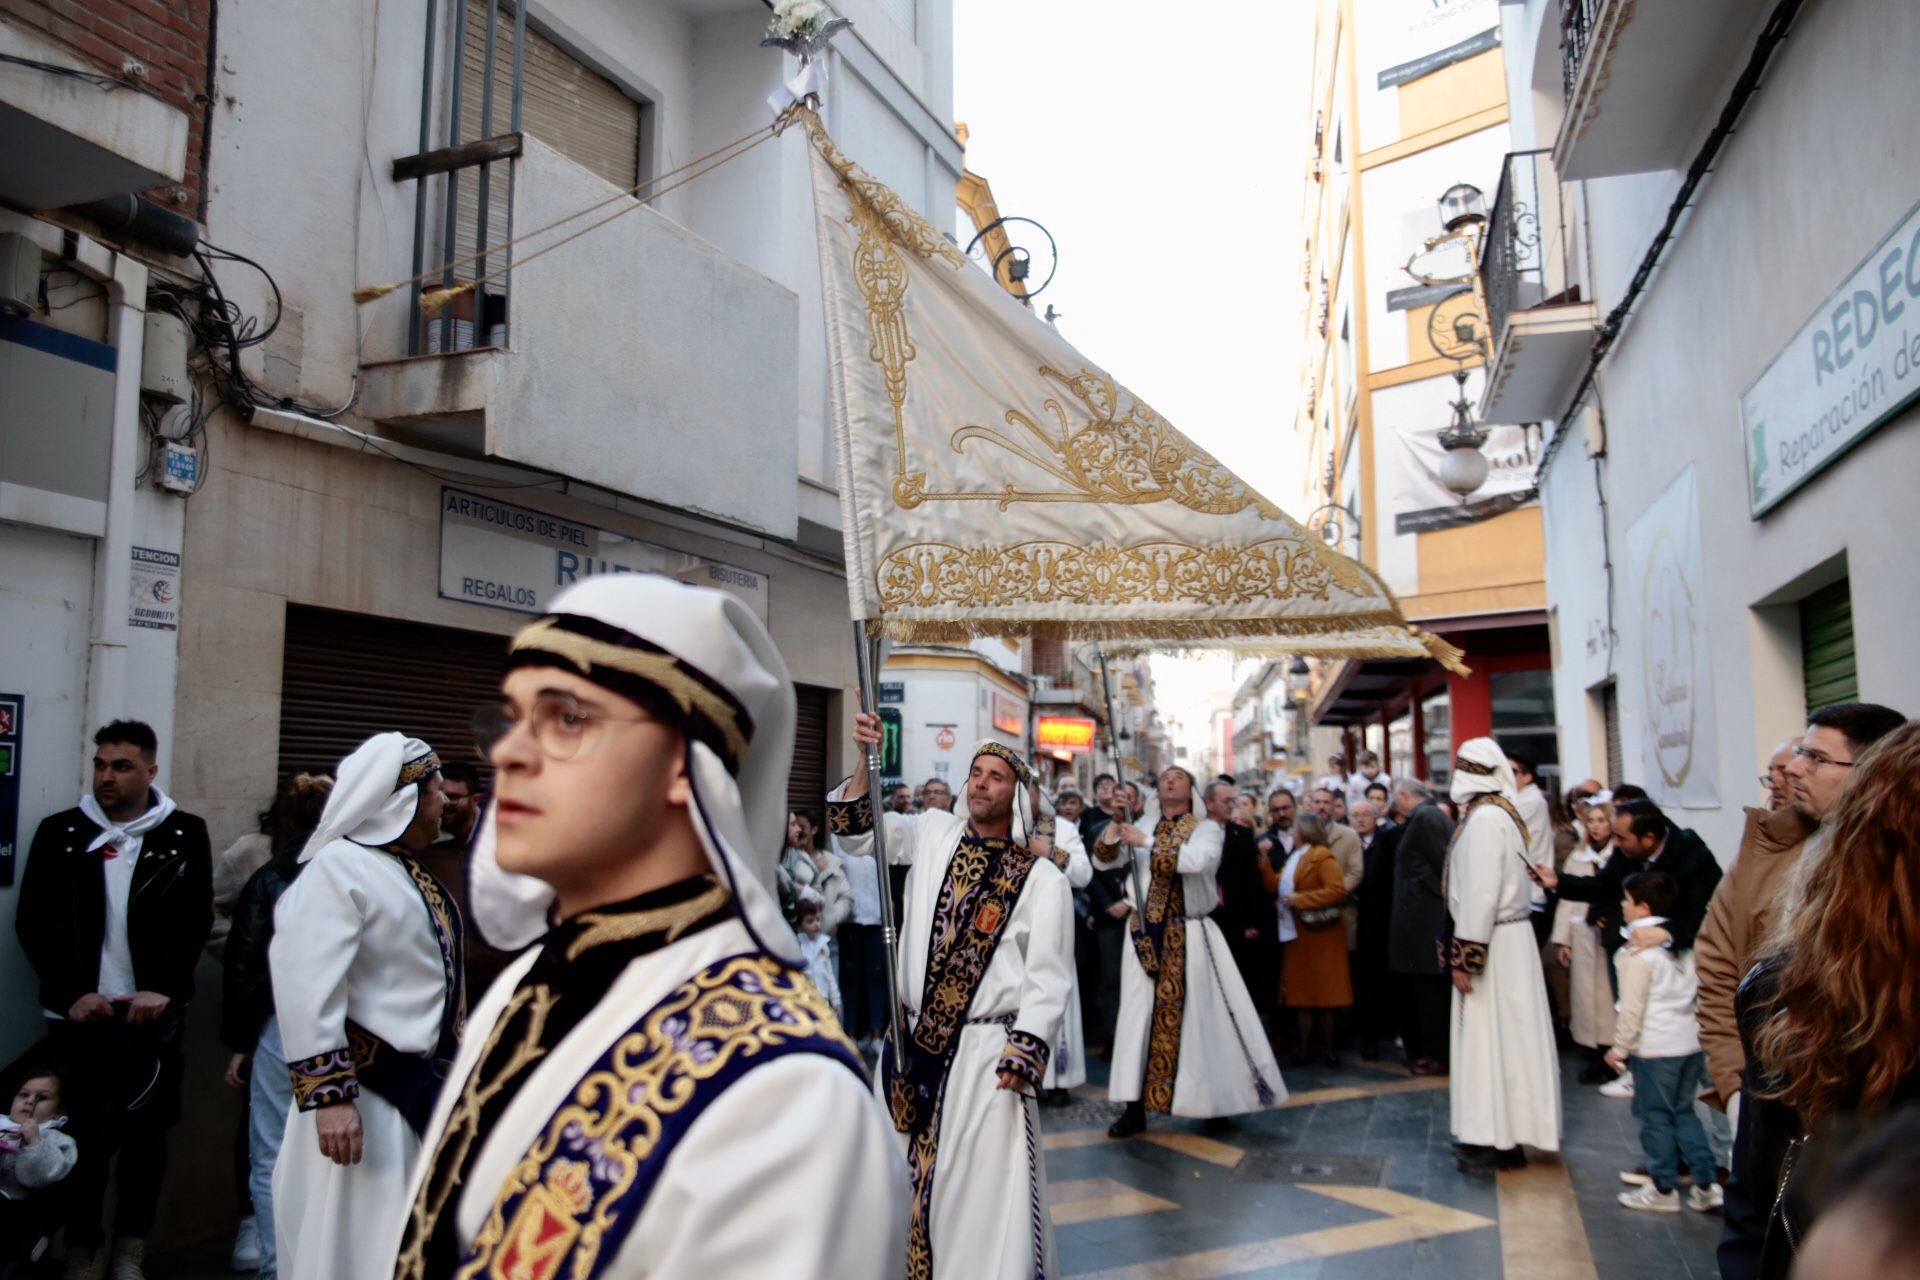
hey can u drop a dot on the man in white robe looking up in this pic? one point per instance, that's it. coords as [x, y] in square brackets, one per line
[1188, 1042]
[654, 1089]
[986, 969]
[1505, 1084]
[366, 964]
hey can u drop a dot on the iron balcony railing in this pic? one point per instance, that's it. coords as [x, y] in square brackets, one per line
[1578, 18]
[1513, 261]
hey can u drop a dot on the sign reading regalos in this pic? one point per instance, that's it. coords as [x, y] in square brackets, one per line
[1851, 367]
[1063, 733]
[508, 557]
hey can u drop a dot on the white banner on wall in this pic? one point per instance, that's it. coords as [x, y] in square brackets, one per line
[1421, 502]
[508, 557]
[1665, 585]
[1428, 35]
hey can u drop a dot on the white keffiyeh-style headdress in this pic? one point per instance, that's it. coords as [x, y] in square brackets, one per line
[376, 793]
[707, 653]
[1481, 769]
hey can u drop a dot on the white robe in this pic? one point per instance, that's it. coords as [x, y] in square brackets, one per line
[1505, 1082]
[352, 939]
[1223, 1050]
[1589, 994]
[739, 1195]
[989, 1212]
[1067, 1065]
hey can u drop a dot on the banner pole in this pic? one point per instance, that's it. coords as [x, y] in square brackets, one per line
[1120, 770]
[866, 657]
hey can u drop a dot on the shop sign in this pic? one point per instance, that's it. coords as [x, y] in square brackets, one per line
[155, 590]
[1852, 366]
[508, 557]
[1677, 749]
[890, 729]
[1008, 716]
[1063, 733]
[1425, 36]
[891, 691]
[945, 738]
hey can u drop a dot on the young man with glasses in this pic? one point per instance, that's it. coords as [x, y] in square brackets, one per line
[654, 1088]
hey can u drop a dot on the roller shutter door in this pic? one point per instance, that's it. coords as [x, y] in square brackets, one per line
[807, 782]
[347, 676]
[1826, 647]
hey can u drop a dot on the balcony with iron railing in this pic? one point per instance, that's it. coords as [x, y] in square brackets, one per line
[1538, 310]
[1640, 79]
[606, 356]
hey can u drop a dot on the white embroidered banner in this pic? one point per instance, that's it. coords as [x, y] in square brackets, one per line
[995, 481]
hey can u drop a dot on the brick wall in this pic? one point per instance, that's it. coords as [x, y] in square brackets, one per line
[171, 38]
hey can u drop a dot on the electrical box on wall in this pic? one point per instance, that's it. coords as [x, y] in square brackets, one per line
[179, 467]
[19, 275]
[163, 358]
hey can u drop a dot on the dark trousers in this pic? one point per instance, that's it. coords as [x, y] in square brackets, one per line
[1258, 960]
[1108, 939]
[1427, 1015]
[863, 978]
[126, 1097]
[1376, 996]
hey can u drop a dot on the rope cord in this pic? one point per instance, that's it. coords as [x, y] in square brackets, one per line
[433, 300]
[753, 139]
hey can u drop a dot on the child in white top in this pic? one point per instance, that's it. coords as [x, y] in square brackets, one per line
[816, 949]
[1657, 1036]
[35, 1153]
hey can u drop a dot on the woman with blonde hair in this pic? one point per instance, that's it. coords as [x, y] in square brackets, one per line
[1579, 948]
[1830, 1020]
[1314, 979]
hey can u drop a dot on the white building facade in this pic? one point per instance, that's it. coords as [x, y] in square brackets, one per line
[1728, 508]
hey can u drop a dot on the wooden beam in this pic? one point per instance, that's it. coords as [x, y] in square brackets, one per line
[504, 147]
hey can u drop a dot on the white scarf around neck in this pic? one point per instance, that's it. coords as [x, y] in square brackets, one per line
[126, 837]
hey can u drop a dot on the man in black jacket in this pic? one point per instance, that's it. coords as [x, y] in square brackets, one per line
[1248, 914]
[115, 905]
[1415, 947]
[1107, 918]
[1645, 839]
[1376, 996]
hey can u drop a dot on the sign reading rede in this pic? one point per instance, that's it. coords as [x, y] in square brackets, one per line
[507, 557]
[1851, 367]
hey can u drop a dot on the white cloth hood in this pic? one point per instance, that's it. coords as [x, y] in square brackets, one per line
[376, 792]
[706, 650]
[1480, 769]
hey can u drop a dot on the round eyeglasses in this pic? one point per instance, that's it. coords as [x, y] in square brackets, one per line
[560, 727]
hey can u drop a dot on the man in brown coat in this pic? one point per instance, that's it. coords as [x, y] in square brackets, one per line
[1742, 911]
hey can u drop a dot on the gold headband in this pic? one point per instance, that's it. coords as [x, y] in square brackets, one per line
[1474, 766]
[1014, 762]
[662, 670]
[416, 769]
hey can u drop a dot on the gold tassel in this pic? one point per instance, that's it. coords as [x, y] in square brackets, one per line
[432, 301]
[1446, 655]
[367, 293]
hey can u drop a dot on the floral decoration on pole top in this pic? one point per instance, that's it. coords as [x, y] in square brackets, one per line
[802, 28]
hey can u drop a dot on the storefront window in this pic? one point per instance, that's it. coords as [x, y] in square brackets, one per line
[1400, 745]
[1436, 715]
[1523, 720]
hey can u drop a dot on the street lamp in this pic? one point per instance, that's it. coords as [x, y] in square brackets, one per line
[1464, 468]
[1461, 206]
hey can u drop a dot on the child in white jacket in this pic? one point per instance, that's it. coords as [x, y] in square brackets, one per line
[1657, 1037]
[35, 1153]
[816, 949]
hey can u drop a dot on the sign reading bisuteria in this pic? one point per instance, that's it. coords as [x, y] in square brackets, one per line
[507, 557]
[1851, 367]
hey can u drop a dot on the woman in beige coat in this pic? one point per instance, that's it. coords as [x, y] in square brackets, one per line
[1581, 950]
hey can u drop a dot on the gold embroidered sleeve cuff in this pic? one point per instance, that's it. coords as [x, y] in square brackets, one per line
[1026, 1056]
[850, 817]
[1470, 956]
[324, 1079]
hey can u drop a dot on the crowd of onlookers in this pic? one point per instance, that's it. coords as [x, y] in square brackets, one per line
[1761, 1020]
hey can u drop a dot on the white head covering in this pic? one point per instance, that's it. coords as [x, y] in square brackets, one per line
[707, 652]
[1482, 767]
[376, 792]
[1023, 788]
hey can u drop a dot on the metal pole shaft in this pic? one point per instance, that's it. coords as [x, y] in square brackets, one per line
[1120, 773]
[866, 656]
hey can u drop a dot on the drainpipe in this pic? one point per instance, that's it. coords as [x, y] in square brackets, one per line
[113, 553]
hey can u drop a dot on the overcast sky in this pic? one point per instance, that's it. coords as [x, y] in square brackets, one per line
[1163, 146]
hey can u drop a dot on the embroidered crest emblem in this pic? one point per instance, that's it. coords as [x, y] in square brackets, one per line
[544, 1230]
[987, 919]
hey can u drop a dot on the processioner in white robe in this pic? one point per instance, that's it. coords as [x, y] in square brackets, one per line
[1067, 1067]
[1505, 1082]
[981, 1204]
[1213, 1060]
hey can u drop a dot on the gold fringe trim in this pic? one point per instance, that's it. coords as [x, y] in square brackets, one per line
[433, 301]
[369, 293]
[1448, 656]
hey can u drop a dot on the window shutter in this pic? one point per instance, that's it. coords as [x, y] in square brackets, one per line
[807, 781]
[1610, 709]
[1826, 646]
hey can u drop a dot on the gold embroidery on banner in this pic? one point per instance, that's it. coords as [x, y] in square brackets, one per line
[1125, 456]
[929, 575]
[660, 669]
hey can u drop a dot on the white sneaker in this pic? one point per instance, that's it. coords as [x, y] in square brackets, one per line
[128, 1254]
[1622, 1087]
[1650, 1199]
[1709, 1200]
[246, 1246]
